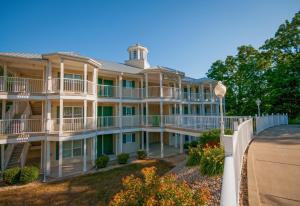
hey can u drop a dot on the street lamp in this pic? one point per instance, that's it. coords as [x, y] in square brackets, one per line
[220, 91]
[258, 102]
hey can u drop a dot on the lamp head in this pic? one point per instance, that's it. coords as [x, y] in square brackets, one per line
[220, 90]
[258, 101]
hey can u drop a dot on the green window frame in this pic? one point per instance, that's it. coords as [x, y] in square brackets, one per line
[128, 138]
[128, 111]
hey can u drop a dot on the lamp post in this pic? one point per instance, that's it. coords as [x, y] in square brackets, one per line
[220, 91]
[258, 102]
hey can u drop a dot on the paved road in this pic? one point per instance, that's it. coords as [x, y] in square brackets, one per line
[273, 167]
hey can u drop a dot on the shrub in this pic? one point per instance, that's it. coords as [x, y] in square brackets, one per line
[194, 157]
[212, 161]
[194, 144]
[102, 161]
[212, 137]
[152, 190]
[123, 158]
[12, 175]
[186, 145]
[141, 154]
[29, 174]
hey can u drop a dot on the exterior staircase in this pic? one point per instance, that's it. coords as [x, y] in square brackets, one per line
[14, 160]
[36, 108]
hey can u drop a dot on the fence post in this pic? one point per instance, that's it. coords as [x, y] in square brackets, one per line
[235, 126]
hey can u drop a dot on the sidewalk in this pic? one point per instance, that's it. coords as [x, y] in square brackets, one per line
[274, 167]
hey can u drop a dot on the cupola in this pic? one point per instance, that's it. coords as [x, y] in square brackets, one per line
[138, 56]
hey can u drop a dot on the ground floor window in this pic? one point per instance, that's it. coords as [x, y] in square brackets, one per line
[72, 148]
[128, 138]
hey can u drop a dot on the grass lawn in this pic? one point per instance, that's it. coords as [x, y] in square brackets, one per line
[92, 189]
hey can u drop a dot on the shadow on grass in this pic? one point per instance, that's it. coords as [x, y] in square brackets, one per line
[91, 189]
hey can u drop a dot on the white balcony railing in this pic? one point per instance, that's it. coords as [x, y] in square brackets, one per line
[132, 93]
[72, 85]
[19, 126]
[200, 122]
[21, 85]
[73, 124]
[107, 122]
[131, 121]
[107, 91]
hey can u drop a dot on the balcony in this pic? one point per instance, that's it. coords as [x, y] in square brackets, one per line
[72, 86]
[108, 91]
[20, 126]
[21, 85]
[168, 92]
[72, 124]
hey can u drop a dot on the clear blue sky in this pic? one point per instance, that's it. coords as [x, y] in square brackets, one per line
[185, 35]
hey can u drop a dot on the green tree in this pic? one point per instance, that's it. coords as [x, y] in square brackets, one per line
[271, 73]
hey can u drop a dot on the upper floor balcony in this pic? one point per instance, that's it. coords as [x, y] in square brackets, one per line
[21, 85]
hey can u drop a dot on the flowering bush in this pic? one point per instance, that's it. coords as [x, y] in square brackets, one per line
[155, 191]
[212, 161]
[195, 154]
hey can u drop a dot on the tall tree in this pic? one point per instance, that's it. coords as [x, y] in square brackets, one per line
[271, 73]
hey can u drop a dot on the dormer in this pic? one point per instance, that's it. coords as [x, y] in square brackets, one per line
[138, 56]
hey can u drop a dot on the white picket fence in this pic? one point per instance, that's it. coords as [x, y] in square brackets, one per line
[235, 147]
[266, 121]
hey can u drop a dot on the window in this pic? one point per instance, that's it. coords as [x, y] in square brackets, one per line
[71, 112]
[72, 76]
[128, 111]
[128, 83]
[77, 148]
[72, 148]
[67, 149]
[128, 138]
[134, 54]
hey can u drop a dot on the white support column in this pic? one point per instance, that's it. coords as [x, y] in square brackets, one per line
[117, 144]
[3, 109]
[120, 103]
[93, 150]
[45, 159]
[142, 114]
[142, 86]
[146, 85]
[84, 155]
[42, 156]
[210, 92]
[85, 79]
[147, 143]
[2, 158]
[181, 98]
[143, 140]
[95, 82]
[147, 113]
[181, 143]
[85, 113]
[49, 77]
[61, 76]
[94, 116]
[161, 85]
[121, 141]
[161, 113]
[48, 115]
[48, 161]
[61, 113]
[5, 77]
[60, 160]
[120, 86]
[202, 92]
[161, 144]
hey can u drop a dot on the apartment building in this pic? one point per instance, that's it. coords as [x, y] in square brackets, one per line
[60, 111]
